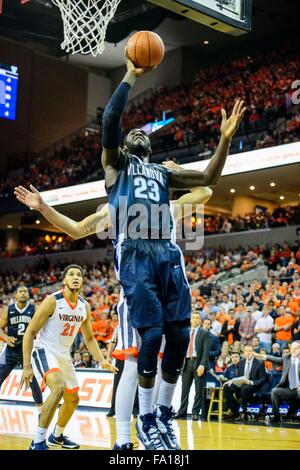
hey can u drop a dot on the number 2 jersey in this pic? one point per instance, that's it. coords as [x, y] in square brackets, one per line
[18, 321]
[60, 330]
[140, 190]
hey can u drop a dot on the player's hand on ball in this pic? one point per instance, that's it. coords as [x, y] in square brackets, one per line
[27, 377]
[31, 199]
[230, 125]
[107, 366]
[11, 341]
[136, 71]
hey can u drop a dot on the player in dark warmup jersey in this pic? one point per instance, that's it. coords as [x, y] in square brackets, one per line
[16, 318]
[149, 268]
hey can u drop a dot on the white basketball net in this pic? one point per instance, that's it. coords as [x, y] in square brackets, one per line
[85, 23]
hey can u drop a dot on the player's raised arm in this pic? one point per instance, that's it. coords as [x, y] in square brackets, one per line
[186, 204]
[186, 179]
[91, 343]
[92, 224]
[10, 340]
[111, 119]
[41, 316]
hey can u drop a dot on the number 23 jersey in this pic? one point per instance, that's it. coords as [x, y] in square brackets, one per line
[139, 192]
[60, 330]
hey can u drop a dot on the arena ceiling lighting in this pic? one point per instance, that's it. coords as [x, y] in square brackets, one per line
[239, 163]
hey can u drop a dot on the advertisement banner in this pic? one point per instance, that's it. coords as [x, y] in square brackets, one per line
[95, 388]
[238, 163]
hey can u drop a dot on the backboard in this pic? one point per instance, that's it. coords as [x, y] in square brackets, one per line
[229, 16]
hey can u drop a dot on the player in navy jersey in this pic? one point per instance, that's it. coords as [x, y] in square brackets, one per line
[148, 265]
[16, 318]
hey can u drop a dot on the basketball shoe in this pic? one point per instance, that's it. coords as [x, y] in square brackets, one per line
[38, 446]
[164, 417]
[148, 432]
[127, 446]
[62, 441]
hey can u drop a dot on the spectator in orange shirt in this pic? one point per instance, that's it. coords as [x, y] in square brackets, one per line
[221, 316]
[291, 304]
[296, 296]
[246, 264]
[283, 327]
[273, 298]
[102, 329]
[280, 289]
[230, 328]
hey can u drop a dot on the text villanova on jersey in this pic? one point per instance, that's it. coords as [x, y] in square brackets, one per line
[139, 206]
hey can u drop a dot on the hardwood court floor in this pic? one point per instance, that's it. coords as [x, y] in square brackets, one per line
[93, 430]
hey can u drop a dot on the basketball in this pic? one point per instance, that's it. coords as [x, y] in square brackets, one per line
[145, 49]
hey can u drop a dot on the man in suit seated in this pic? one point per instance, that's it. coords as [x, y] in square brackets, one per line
[194, 369]
[251, 378]
[288, 388]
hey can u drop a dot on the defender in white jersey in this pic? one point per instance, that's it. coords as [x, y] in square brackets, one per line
[56, 322]
[51, 351]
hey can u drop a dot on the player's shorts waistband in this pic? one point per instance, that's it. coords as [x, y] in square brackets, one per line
[142, 240]
[62, 353]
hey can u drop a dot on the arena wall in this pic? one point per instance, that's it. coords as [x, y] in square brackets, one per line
[14, 135]
[99, 92]
[52, 101]
[167, 74]
[231, 240]
[254, 237]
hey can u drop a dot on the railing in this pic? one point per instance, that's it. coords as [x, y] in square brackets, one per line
[260, 272]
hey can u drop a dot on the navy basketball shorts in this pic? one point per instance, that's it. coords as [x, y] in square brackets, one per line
[9, 359]
[152, 275]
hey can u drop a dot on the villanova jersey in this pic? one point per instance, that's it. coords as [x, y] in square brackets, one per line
[139, 201]
[18, 320]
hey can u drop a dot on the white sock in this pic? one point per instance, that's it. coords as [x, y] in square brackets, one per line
[123, 432]
[58, 431]
[124, 400]
[40, 435]
[166, 393]
[146, 400]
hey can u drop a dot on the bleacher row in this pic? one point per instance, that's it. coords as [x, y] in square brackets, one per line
[263, 81]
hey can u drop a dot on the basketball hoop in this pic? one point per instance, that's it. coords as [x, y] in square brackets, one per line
[85, 24]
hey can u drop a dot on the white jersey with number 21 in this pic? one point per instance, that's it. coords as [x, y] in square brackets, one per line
[60, 330]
